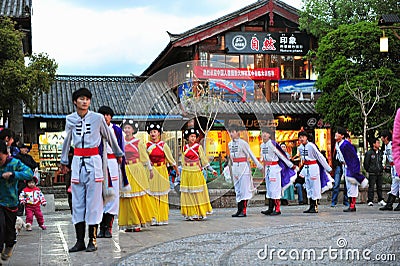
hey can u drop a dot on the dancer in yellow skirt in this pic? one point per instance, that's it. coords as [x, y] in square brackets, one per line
[195, 201]
[136, 206]
[159, 154]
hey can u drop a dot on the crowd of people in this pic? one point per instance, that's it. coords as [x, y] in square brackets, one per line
[113, 173]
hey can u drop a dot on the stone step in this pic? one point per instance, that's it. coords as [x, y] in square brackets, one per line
[57, 191]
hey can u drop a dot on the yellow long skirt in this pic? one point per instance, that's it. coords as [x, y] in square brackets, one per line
[195, 201]
[159, 188]
[136, 207]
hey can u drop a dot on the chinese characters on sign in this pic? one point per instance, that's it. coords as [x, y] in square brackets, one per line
[236, 73]
[268, 43]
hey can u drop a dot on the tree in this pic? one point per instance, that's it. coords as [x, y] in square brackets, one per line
[319, 17]
[359, 84]
[21, 84]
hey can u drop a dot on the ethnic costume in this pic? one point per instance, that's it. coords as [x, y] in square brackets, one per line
[111, 208]
[87, 170]
[195, 201]
[315, 169]
[347, 154]
[160, 154]
[395, 187]
[278, 174]
[241, 175]
[136, 205]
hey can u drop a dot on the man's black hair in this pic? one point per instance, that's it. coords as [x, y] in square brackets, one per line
[3, 147]
[7, 133]
[106, 110]
[386, 133]
[81, 92]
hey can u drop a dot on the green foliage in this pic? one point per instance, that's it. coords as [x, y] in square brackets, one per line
[18, 81]
[349, 61]
[319, 17]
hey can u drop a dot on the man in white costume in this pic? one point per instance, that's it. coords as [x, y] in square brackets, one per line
[347, 155]
[240, 154]
[86, 129]
[115, 171]
[315, 169]
[278, 171]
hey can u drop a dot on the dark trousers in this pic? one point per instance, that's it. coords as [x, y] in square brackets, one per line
[372, 180]
[336, 186]
[8, 218]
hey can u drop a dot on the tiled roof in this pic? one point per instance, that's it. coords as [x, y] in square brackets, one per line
[176, 37]
[129, 96]
[15, 8]
[125, 95]
[222, 24]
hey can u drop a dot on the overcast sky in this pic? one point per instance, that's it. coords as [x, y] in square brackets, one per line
[117, 37]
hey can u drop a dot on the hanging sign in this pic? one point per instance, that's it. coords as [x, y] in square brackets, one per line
[267, 43]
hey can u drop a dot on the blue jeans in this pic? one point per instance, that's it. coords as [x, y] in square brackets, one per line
[336, 187]
[299, 188]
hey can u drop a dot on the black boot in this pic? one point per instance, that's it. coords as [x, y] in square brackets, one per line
[102, 226]
[239, 212]
[92, 245]
[108, 227]
[389, 203]
[397, 207]
[80, 238]
[313, 207]
[270, 207]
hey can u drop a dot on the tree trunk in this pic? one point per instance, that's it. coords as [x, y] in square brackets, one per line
[365, 134]
[16, 120]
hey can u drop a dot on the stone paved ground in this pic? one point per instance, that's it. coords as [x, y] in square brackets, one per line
[331, 237]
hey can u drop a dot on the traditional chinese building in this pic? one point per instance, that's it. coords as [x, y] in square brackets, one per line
[20, 12]
[256, 61]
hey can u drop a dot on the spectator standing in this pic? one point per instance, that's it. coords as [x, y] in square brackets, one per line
[386, 137]
[373, 164]
[11, 171]
[8, 136]
[26, 159]
[31, 197]
[338, 166]
[298, 184]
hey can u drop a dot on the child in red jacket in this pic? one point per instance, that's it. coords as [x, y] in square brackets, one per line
[32, 198]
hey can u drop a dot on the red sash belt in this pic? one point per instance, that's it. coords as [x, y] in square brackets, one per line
[192, 163]
[310, 162]
[132, 161]
[392, 163]
[268, 163]
[111, 156]
[159, 164]
[86, 151]
[239, 160]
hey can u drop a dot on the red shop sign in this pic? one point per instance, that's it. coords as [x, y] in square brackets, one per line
[237, 73]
